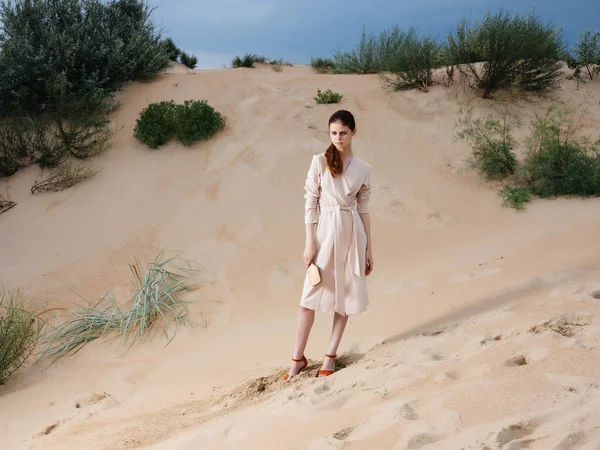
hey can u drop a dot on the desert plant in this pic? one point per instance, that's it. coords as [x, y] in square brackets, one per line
[363, 59]
[587, 52]
[408, 59]
[322, 65]
[20, 329]
[558, 160]
[187, 60]
[197, 120]
[515, 196]
[64, 176]
[156, 123]
[247, 60]
[173, 51]
[503, 51]
[327, 97]
[155, 300]
[491, 140]
[95, 45]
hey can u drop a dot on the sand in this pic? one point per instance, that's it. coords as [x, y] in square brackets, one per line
[484, 326]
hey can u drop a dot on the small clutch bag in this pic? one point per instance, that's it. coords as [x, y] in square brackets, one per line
[314, 276]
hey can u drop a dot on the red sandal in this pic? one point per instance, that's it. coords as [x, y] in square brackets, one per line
[287, 375]
[327, 372]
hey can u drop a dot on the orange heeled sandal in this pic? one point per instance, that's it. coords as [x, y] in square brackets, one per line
[287, 375]
[327, 372]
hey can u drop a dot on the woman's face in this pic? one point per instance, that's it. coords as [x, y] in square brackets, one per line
[341, 135]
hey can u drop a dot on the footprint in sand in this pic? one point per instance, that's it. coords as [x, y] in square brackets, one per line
[516, 432]
[421, 440]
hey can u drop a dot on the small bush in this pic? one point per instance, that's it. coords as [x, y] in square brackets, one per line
[190, 122]
[247, 60]
[558, 161]
[324, 98]
[156, 124]
[197, 120]
[155, 296]
[187, 60]
[492, 142]
[64, 176]
[410, 59]
[512, 51]
[322, 65]
[515, 197]
[19, 332]
[587, 53]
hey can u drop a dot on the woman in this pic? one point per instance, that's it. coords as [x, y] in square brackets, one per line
[338, 240]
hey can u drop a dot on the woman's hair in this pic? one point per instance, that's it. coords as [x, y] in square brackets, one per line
[332, 154]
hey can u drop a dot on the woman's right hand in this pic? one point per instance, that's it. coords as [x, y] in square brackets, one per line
[310, 252]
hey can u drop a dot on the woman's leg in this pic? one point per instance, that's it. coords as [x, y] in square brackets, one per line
[306, 317]
[337, 331]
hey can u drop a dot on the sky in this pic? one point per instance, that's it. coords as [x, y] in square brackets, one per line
[296, 30]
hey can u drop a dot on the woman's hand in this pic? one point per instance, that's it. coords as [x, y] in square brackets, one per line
[310, 252]
[369, 262]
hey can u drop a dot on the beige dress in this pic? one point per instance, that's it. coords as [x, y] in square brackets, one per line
[334, 204]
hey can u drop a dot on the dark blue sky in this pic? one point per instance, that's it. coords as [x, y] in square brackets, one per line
[295, 30]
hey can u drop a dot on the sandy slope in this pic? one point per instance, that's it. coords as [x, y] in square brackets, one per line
[460, 284]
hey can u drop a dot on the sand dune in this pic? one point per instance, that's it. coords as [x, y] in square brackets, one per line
[483, 331]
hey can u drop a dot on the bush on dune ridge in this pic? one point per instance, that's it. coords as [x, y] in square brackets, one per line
[512, 51]
[60, 65]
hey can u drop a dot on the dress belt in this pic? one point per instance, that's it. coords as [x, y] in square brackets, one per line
[338, 255]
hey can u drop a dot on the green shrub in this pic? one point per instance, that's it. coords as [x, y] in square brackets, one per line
[322, 65]
[173, 51]
[96, 46]
[409, 58]
[156, 123]
[513, 51]
[515, 196]
[190, 122]
[324, 98]
[19, 332]
[188, 60]
[156, 297]
[197, 120]
[492, 142]
[558, 161]
[587, 53]
[247, 60]
[363, 59]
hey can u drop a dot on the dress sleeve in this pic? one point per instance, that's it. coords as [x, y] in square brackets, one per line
[364, 194]
[313, 192]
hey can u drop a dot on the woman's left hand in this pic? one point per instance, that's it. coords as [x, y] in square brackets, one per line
[369, 262]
